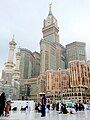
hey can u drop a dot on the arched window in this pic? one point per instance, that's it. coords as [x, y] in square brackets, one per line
[79, 94]
[67, 95]
[75, 94]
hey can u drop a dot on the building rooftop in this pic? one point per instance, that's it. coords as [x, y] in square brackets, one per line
[75, 42]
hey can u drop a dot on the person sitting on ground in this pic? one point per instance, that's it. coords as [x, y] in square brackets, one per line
[81, 107]
[48, 106]
[37, 107]
[14, 109]
[53, 106]
[76, 107]
[63, 109]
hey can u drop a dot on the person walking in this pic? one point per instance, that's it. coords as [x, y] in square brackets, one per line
[43, 104]
[7, 107]
[2, 103]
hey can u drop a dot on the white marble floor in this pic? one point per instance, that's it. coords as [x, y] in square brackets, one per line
[52, 115]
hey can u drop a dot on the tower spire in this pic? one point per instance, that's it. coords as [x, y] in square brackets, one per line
[13, 37]
[50, 9]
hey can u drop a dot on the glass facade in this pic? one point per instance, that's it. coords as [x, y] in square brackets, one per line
[76, 51]
[53, 62]
[26, 64]
[46, 60]
[29, 70]
[49, 38]
[63, 62]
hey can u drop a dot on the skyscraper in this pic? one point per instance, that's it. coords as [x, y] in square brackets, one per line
[26, 63]
[50, 47]
[76, 51]
[37, 63]
[29, 63]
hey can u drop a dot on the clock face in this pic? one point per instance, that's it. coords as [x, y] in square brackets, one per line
[49, 20]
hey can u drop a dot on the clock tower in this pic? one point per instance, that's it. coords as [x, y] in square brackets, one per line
[50, 28]
[49, 45]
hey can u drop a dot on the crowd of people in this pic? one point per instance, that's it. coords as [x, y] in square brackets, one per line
[5, 105]
[43, 107]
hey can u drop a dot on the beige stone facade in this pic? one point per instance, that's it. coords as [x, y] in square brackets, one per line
[56, 84]
[73, 83]
[79, 81]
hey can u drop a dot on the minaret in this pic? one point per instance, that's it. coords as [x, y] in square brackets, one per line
[18, 57]
[16, 76]
[9, 64]
[16, 73]
[8, 69]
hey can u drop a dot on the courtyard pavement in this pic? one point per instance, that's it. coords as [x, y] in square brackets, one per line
[51, 115]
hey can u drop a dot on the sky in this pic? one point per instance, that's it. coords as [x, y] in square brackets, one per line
[24, 19]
